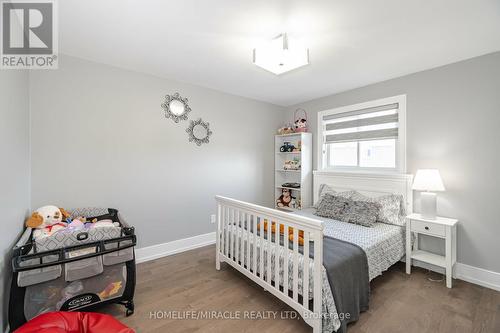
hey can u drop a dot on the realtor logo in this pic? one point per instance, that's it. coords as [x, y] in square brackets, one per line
[29, 34]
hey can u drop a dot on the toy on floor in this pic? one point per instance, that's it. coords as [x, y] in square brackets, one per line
[110, 290]
[73, 322]
[47, 220]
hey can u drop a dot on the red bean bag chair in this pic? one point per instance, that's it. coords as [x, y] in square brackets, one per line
[73, 322]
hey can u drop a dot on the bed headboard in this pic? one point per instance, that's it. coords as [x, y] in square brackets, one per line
[372, 185]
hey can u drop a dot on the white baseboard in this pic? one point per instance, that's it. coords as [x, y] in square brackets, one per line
[476, 275]
[166, 249]
[482, 277]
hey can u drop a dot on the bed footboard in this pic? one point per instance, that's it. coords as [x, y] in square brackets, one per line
[244, 243]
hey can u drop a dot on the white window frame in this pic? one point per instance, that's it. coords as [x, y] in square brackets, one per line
[400, 142]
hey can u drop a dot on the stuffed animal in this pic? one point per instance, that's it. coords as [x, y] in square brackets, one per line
[76, 224]
[285, 130]
[285, 198]
[47, 220]
[104, 223]
[292, 164]
[282, 231]
[301, 125]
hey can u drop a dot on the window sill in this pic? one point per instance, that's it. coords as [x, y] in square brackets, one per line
[360, 172]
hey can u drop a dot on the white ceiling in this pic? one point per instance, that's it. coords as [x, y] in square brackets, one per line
[209, 43]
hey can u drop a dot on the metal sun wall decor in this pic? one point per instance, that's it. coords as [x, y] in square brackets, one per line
[176, 107]
[199, 131]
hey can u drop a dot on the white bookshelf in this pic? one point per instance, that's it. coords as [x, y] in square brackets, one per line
[303, 176]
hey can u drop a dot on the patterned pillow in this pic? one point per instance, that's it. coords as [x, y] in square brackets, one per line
[324, 189]
[362, 212]
[347, 210]
[332, 206]
[392, 208]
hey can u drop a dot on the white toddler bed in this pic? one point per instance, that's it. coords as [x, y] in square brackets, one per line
[243, 249]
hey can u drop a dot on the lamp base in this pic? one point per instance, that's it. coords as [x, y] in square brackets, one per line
[428, 205]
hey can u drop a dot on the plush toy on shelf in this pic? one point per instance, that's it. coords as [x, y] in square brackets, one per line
[286, 130]
[47, 220]
[292, 164]
[285, 198]
[300, 123]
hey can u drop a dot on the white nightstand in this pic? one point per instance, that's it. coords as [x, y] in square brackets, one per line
[441, 227]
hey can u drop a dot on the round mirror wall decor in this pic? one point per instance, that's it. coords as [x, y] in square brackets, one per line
[199, 131]
[176, 107]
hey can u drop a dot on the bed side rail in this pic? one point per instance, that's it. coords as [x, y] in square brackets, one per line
[242, 252]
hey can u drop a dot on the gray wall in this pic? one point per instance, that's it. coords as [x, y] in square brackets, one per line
[453, 119]
[99, 138]
[14, 170]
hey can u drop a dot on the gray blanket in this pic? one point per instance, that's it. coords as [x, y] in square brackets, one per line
[346, 266]
[347, 269]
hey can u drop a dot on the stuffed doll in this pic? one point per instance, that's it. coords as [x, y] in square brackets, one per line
[105, 224]
[47, 220]
[285, 198]
[301, 125]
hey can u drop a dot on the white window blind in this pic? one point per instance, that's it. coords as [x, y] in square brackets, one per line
[366, 136]
[374, 123]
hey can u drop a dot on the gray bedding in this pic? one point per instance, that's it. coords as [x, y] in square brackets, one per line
[384, 244]
[347, 270]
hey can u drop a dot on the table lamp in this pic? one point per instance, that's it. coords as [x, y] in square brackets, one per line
[428, 181]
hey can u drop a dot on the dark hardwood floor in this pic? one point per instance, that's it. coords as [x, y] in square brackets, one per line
[399, 303]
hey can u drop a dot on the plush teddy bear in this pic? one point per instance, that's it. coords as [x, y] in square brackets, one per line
[285, 198]
[47, 220]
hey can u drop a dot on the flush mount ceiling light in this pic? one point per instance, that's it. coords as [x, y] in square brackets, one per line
[280, 55]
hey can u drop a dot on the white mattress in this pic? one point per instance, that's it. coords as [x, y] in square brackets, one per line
[384, 244]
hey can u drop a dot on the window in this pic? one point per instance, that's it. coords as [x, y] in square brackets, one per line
[364, 137]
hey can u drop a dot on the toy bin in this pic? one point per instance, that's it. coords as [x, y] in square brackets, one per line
[73, 269]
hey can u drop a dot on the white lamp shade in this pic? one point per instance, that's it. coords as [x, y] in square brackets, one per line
[428, 180]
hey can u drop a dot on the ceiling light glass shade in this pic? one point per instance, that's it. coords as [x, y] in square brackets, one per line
[428, 180]
[280, 55]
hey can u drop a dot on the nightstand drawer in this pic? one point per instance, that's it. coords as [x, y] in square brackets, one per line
[428, 228]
